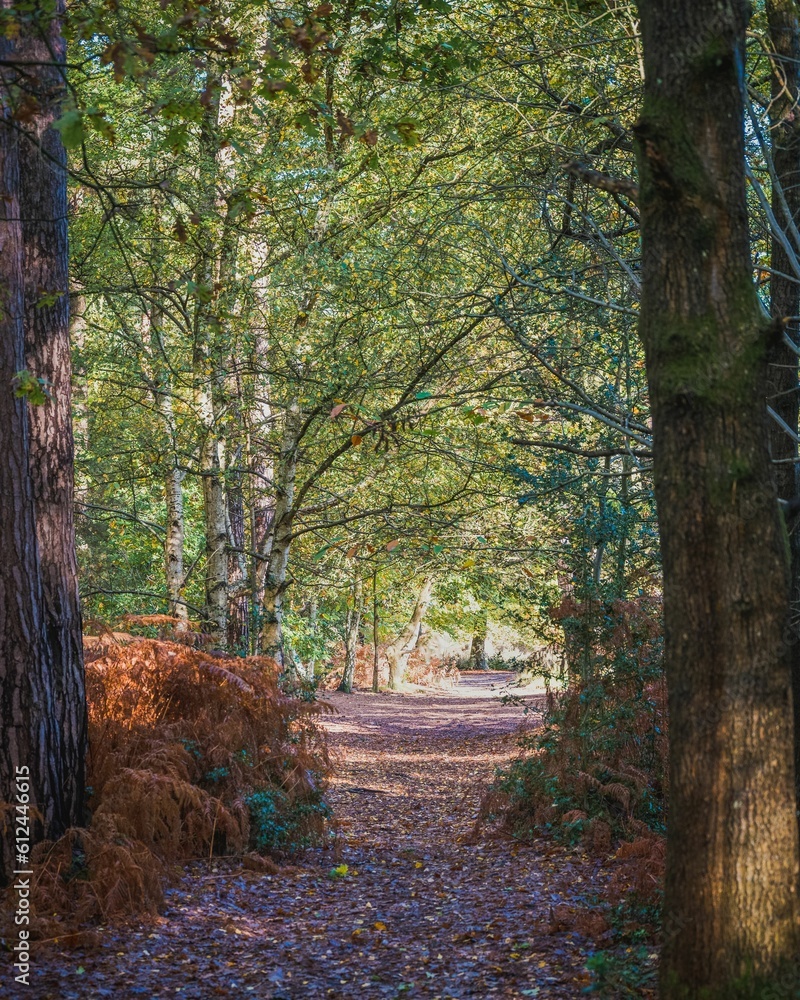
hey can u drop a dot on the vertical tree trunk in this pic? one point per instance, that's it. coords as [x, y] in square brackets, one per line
[280, 541]
[161, 389]
[31, 732]
[375, 654]
[398, 652]
[212, 269]
[730, 908]
[782, 389]
[258, 418]
[80, 389]
[173, 544]
[477, 649]
[43, 210]
[352, 627]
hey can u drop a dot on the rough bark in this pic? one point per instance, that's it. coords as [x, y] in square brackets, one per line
[31, 736]
[730, 909]
[782, 390]
[43, 211]
[352, 626]
[398, 652]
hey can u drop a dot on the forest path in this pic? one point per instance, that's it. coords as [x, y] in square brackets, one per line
[421, 911]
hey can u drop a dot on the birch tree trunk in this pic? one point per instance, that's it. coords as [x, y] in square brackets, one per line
[208, 376]
[730, 906]
[398, 652]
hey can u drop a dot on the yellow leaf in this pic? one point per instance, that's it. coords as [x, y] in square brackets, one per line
[379, 925]
[356, 439]
[418, 864]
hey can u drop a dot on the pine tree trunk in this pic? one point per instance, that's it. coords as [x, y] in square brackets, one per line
[782, 391]
[730, 908]
[32, 737]
[43, 210]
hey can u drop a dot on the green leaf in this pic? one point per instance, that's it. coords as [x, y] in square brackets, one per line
[70, 125]
[27, 386]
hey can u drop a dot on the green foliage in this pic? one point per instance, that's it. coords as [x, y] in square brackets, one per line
[281, 823]
[602, 753]
[622, 973]
[28, 386]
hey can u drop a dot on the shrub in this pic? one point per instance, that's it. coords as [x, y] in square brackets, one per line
[181, 745]
[597, 769]
[280, 823]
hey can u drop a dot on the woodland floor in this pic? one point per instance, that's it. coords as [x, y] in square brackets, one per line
[422, 910]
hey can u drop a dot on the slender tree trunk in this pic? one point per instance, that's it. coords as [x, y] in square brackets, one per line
[32, 738]
[262, 485]
[208, 377]
[80, 389]
[159, 377]
[239, 603]
[375, 654]
[351, 637]
[43, 210]
[280, 542]
[730, 908]
[398, 652]
[782, 390]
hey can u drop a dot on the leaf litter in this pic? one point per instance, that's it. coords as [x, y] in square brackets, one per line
[405, 900]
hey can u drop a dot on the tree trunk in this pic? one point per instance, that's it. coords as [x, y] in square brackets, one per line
[398, 652]
[782, 392]
[239, 603]
[32, 742]
[375, 654]
[208, 375]
[351, 638]
[161, 389]
[477, 649]
[730, 908]
[280, 541]
[173, 545]
[43, 210]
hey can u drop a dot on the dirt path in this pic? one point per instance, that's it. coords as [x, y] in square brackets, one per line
[419, 911]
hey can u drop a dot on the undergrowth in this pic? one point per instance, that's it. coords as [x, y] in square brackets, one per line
[595, 774]
[597, 769]
[191, 755]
